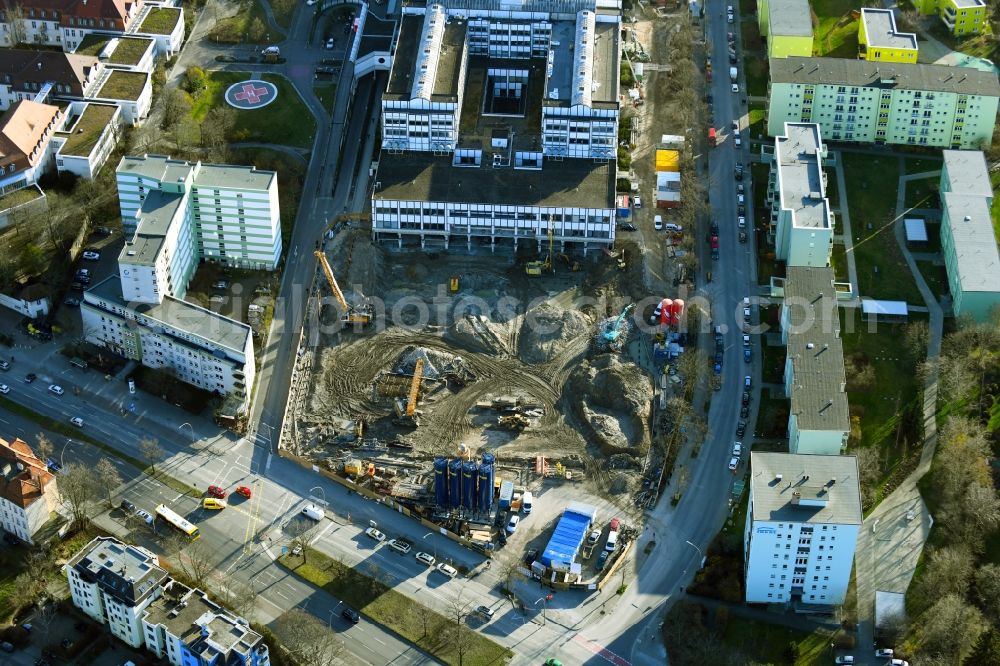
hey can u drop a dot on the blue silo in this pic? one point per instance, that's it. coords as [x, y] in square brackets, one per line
[455, 483]
[470, 475]
[485, 489]
[489, 459]
[441, 481]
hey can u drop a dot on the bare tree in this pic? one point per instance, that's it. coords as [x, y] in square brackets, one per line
[310, 642]
[987, 589]
[151, 451]
[458, 610]
[240, 596]
[215, 132]
[197, 564]
[302, 544]
[948, 630]
[109, 477]
[510, 570]
[78, 487]
[43, 447]
[13, 16]
[949, 571]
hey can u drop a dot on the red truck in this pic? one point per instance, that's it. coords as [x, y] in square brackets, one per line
[711, 136]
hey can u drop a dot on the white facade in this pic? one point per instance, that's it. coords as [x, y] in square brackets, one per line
[167, 44]
[801, 220]
[28, 491]
[801, 528]
[87, 166]
[134, 111]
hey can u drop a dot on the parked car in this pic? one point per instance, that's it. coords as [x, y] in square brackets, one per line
[30, 377]
[71, 302]
[637, 201]
[627, 226]
[486, 612]
[330, 44]
[593, 537]
[846, 659]
[746, 397]
[4, 389]
[220, 284]
[144, 515]
[52, 465]
[447, 570]
[744, 412]
[658, 222]
[747, 381]
[734, 463]
[400, 545]
[244, 491]
[425, 558]
[375, 534]
[90, 255]
[884, 653]
[512, 524]
[216, 491]
[741, 428]
[736, 86]
[738, 449]
[127, 506]
[602, 559]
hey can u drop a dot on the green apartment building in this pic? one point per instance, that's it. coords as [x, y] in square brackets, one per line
[967, 241]
[787, 27]
[961, 17]
[884, 102]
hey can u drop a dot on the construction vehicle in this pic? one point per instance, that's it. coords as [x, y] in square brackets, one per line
[513, 422]
[536, 268]
[573, 266]
[611, 333]
[453, 284]
[406, 413]
[621, 261]
[349, 314]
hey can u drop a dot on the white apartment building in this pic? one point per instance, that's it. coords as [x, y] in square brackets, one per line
[884, 102]
[28, 491]
[801, 221]
[499, 125]
[229, 214]
[819, 420]
[187, 627]
[114, 583]
[801, 528]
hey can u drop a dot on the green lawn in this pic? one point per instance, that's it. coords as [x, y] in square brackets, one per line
[772, 415]
[429, 630]
[161, 21]
[887, 407]
[773, 368]
[286, 121]
[768, 643]
[88, 129]
[128, 52]
[922, 193]
[936, 277]
[766, 263]
[123, 85]
[756, 115]
[12, 564]
[920, 165]
[19, 197]
[872, 183]
[838, 258]
[756, 75]
[327, 93]
[291, 175]
[835, 33]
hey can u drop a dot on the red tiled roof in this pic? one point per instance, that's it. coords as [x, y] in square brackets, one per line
[23, 487]
[22, 129]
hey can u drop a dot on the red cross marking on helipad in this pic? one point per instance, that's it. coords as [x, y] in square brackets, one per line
[250, 94]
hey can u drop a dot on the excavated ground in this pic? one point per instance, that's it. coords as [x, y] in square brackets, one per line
[508, 334]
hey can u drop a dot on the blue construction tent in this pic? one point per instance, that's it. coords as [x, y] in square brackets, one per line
[571, 530]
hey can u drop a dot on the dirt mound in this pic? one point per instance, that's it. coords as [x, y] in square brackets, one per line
[435, 362]
[478, 332]
[613, 399]
[547, 329]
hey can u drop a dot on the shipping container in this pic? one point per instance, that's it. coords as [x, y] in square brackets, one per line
[506, 494]
[668, 160]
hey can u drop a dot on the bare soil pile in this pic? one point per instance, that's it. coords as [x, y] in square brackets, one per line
[547, 329]
[612, 400]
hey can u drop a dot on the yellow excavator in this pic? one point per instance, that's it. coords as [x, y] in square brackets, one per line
[349, 314]
[406, 415]
[536, 268]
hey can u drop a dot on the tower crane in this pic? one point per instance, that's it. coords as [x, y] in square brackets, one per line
[349, 314]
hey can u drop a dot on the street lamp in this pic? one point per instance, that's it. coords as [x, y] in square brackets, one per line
[699, 553]
[61, 453]
[545, 602]
[321, 491]
[435, 545]
[190, 428]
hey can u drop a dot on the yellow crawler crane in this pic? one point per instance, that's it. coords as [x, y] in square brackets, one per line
[349, 315]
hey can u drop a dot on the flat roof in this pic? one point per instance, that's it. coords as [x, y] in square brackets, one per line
[211, 326]
[122, 84]
[906, 76]
[812, 489]
[88, 129]
[568, 536]
[880, 29]
[127, 50]
[789, 18]
[573, 183]
[800, 175]
[967, 172]
[428, 59]
[814, 347]
[128, 573]
[168, 170]
[376, 36]
[157, 211]
[965, 4]
[976, 257]
[871, 306]
[185, 612]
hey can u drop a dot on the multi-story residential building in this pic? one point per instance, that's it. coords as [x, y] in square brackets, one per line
[801, 528]
[88, 136]
[229, 214]
[500, 126]
[123, 586]
[819, 419]
[114, 583]
[787, 27]
[189, 629]
[801, 220]
[28, 492]
[879, 102]
[26, 146]
[62, 22]
[175, 214]
[878, 38]
[961, 17]
[967, 238]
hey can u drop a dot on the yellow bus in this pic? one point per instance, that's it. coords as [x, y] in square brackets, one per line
[172, 518]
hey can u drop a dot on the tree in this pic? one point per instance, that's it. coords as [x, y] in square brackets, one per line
[987, 650]
[32, 260]
[309, 641]
[256, 30]
[949, 571]
[195, 80]
[948, 630]
[240, 596]
[510, 570]
[176, 107]
[78, 486]
[109, 477]
[457, 611]
[197, 564]
[302, 544]
[986, 586]
[43, 447]
[215, 132]
[151, 451]
[13, 16]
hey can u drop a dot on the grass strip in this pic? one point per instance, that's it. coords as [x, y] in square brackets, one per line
[427, 629]
[74, 433]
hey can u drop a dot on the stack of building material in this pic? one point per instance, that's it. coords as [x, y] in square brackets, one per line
[668, 178]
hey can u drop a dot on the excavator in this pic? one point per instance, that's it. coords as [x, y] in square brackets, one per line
[536, 268]
[406, 414]
[349, 314]
[611, 333]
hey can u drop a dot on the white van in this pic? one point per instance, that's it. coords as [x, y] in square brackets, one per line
[657, 222]
[526, 501]
[313, 511]
[612, 541]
